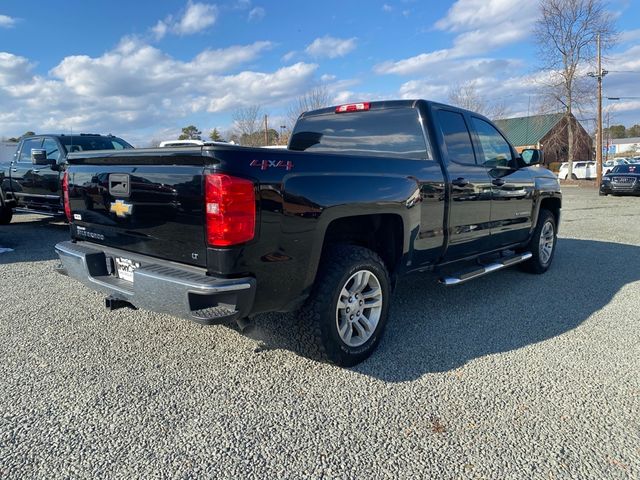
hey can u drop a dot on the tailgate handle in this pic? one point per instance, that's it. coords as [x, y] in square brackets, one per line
[498, 182]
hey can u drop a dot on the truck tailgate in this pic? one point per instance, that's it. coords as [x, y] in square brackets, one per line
[150, 209]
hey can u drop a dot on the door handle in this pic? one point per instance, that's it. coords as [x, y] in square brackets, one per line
[35, 170]
[14, 169]
[498, 182]
[460, 182]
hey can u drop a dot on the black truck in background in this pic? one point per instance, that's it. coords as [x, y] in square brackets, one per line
[32, 181]
[365, 193]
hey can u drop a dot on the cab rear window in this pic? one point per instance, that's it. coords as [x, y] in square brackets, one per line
[384, 133]
[93, 142]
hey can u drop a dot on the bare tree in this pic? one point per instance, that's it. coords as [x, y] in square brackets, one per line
[465, 95]
[247, 123]
[315, 98]
[566, 36]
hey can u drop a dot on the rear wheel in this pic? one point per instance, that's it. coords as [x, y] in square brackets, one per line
[348, 308]
[6, 214]
[542, 244]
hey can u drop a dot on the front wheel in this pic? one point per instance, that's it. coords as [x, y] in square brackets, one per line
[6, 214]
[348, 308]
[542, 244]
[574, 176]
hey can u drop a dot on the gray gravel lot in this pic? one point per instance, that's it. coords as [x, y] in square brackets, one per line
[510, 376]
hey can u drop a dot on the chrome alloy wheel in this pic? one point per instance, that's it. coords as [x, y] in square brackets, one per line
[359, 308]
[547, 238]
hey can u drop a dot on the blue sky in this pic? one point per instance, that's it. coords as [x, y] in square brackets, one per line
[144, 69]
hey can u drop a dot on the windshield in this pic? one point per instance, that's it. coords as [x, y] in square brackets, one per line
[626, 169]
[79, 143]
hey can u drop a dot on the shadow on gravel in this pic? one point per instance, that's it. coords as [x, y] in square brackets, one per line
[437, 329]
[433, 328]
[31, 240]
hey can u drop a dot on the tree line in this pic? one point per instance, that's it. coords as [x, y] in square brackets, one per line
[248, 123]
[620, 131]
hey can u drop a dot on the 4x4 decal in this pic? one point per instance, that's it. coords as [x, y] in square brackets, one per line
[265, 164]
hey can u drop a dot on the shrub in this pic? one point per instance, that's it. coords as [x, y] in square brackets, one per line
[555, 166]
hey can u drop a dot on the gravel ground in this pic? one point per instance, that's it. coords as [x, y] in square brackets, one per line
[510, 376]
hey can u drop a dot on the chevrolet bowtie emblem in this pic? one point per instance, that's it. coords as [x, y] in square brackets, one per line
[120, 208]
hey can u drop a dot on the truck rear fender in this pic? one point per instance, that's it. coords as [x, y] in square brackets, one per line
[375, 211]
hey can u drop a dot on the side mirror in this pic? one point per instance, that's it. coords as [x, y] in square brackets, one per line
[39, 156]
[531, 156]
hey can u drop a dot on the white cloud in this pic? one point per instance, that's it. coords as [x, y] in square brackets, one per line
[160, 30]
[327, 78]
[13, 69]
[196, 18]
[331, 47]
[256, 14]
[480, 26]
[6, 21]
[387, 8]
[629, 36]
[422, 89]
[136, 86]
[465, 15]
[287, 57]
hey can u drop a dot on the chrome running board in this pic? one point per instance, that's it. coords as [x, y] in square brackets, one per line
[459, 278]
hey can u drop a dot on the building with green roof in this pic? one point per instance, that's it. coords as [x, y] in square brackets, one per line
[548, 133]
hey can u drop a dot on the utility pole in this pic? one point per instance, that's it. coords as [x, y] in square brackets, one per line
[266, 131]
[599, 74]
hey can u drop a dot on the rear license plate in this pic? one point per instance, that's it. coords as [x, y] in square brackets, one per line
[125, 268]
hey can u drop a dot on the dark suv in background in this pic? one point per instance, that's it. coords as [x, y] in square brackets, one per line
[32, 181]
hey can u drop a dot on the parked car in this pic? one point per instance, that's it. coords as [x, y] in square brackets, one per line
[609, 164]
[32, 181]
[364, 194]
[581, 170]
[621, 180]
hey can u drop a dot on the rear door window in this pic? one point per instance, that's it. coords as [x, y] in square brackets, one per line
[391, 132]
[53, 151]
[456, 135]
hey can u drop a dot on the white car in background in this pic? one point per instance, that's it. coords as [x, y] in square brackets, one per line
[180, 143]
[581, 171]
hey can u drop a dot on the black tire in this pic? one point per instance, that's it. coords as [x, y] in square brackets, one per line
[538, 263]
[574, 176]
[6, 214]
[339, 264]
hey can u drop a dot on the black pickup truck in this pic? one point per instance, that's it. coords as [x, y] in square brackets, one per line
[364, 193]
[32, 182]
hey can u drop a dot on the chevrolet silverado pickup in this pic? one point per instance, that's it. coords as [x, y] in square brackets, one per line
[365, 193]
[32, 182]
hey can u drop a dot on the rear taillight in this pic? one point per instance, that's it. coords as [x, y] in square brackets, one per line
[230, 204]
[353, 107]
[65, 195]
